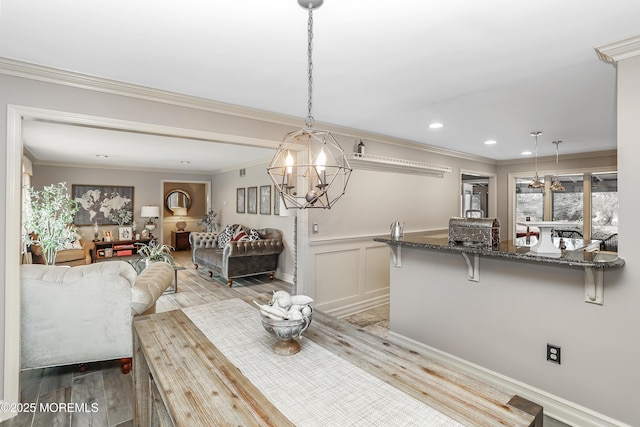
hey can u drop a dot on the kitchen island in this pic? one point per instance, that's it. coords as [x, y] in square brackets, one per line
[213, 365]
[497, 312]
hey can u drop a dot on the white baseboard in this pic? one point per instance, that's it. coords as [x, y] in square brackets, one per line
[554, 406]
[284, 277]
[348, 310]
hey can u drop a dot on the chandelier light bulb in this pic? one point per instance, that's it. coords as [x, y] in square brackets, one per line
[321, 166]
[289, 163]
[321, 161]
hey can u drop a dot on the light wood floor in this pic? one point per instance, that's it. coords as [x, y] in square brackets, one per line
[104, 387]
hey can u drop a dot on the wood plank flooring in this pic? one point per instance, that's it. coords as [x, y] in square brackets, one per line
[103, 396]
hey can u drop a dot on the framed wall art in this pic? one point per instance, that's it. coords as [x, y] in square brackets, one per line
[276, 203]
[240, 197]
[102, 204]
[252, 200]
[265, 200]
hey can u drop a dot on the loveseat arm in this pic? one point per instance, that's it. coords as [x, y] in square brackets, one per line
[149, 286]
[202, 240]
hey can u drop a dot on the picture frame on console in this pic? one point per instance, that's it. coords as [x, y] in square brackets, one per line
[240, 193]
[96, 202]
[125, 233]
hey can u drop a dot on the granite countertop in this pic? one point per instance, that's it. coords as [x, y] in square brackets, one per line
[575, 255]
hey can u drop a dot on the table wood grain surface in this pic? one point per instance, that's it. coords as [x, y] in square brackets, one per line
[200, 387]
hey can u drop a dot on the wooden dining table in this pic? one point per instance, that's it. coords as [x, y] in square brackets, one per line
[213, 364]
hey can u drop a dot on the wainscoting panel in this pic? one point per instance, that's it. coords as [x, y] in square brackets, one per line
[350, 275]
[376, 271]
[336, 275]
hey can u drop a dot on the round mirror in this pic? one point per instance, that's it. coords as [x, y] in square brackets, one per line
[178, 199]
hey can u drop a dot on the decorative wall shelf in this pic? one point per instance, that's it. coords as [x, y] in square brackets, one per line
[389, 164]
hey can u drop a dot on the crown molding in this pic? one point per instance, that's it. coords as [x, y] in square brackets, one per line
[622, 49]
[83, 81]
[98, 84]
[571, 156]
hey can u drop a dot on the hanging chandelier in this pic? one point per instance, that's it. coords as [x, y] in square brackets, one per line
[536, 183]
[556, 185]
[309, 170]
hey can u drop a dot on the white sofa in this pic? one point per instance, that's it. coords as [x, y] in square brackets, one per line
[83, 314]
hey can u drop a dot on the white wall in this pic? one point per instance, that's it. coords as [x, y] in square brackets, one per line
[375, 199]
[627, 318]
[224, 202]
[504, 321]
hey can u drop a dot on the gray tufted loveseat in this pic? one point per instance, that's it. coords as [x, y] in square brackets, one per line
[237, 258]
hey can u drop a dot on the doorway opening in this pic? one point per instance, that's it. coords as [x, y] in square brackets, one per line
[475, 195]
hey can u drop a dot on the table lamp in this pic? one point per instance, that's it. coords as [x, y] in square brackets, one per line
[150, 212]
[180, 212]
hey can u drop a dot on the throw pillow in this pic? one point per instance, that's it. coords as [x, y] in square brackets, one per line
[225, 236]
[254, 235]
[73, 245]
[239, 234]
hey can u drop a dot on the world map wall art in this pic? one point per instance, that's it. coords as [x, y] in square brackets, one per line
[99, 204]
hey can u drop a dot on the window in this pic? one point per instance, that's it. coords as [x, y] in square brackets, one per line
[589, 201]
[604, 205]
[529, 203]
[568, 205]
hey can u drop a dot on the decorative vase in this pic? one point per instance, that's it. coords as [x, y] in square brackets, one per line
[286, 331]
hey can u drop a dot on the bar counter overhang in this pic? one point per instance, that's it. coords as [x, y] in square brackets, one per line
[579, 253]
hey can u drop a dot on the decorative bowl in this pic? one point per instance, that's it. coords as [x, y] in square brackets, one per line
[286, 331]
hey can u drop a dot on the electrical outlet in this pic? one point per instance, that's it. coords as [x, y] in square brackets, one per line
[553, 353]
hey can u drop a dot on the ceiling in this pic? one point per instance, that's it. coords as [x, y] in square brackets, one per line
[495, 69]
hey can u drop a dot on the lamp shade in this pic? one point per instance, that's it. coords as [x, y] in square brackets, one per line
[150, 211]
[179, 211]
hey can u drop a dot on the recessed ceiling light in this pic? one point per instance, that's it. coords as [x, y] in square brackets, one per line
[526, 153]
[435, 125]
[101, 156]
[185, 162]
[491, 142]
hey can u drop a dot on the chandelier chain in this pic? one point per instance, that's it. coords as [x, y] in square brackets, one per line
[309, 120]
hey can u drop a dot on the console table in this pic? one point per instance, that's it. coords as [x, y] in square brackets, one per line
[213, 365]
[180, 240]
[117, 248]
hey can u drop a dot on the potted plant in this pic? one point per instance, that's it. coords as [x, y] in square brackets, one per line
[120, 216]
[209, 221]
[154, 252]
[48, 220]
